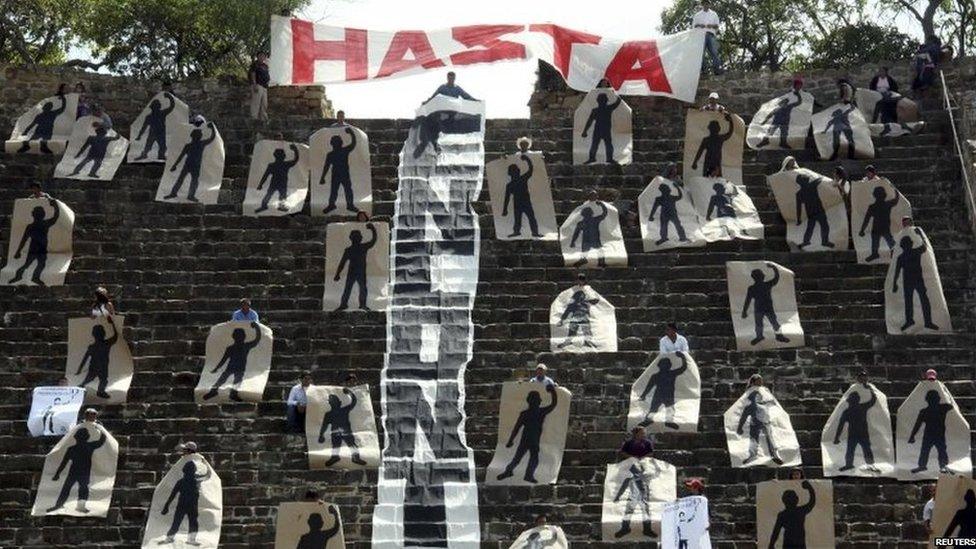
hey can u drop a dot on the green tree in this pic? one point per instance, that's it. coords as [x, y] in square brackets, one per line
[36, 31]
[173, 39]
[859, 44]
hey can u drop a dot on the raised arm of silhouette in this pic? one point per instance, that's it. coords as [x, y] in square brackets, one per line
[728, 135]
[808, 506]
[115, 333]
[684, 364]
[775, 280]
[623, 488]
[531, 170]
[599, 219]
[172, 105]
[552, 405]
[257, 337]
[352, 400]
[872, 401]
[373, 238]
[613, 107]
[289, 164]
[352, 140]
[57, 213]
[213, 135]
[64, 104]
[335, 523]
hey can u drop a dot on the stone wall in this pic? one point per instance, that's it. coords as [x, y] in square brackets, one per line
[124, 97]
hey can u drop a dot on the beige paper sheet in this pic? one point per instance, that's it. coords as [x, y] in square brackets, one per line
[312, 525]
[55, 253]
[99, 359]
[281, 171]
[940, 428]
[521, 197]
[192, 150]
[333, 423]
[582, 321]
[85, 459]
[820, 222]
[371, 272]
[667, 395]
[876, 212]
[917, 283]
[753, 424]
[786, 509]
[781, 123]
[668, 218]
[610, 122]
[762, 297]
[840, 131]
[713, 139]
[591, 237]
[634, 494]
[192, 489]
[148, 133]
[347, 187]
[860, 426]
[92, 154]
[237, 362]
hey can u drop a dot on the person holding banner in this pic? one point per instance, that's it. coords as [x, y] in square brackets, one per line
[708, 20]
[450, 89]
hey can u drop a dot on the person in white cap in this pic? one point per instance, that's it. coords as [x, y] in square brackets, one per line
[523, 143]
[712, 104]
[931, 375]
[187, 448]
[91, 415]
[540, 376]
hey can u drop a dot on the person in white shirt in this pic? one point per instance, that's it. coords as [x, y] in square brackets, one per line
[929, 508]
[883, 82]
[340, 120]
[540, 376]
[673, 342]
[707, 19]
[102, 304]
[297, 401]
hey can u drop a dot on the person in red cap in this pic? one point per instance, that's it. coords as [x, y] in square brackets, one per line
[695, 486]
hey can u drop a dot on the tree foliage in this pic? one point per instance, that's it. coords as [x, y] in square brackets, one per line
[858, 44]
[796, 34]
[36, 31]
[179, 38]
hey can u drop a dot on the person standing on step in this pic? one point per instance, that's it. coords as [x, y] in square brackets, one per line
[245, 313]
[929, 507]
[340, 121]
[672, 341]
[259, 77]
[637, 445]
[36, 192]
[708, 20]
[297, 403]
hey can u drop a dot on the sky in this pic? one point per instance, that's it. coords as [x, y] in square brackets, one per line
[505, 87]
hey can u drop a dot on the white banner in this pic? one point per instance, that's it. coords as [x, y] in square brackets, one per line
[93, 152]
[684, 524]
[54, 410]
[303, 52]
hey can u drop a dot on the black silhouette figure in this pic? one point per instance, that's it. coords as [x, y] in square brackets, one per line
[517, 189]
[711, 146]
[236, 359]
[155, 124]
[337, 160]
[337, 419]
[588, 232]
[47, 418]
[637, 500]
[663, 382]
[721, 202]
[578, 313]
[187, 505]
[779, 121]
[879, 215]
[277, 170]
[791, 521]
[317, 538]
[964, 519]
[934, 434]
[531, 423]
[808, 198]
[79, 473]
[602, 121]
[193, 153]
[679, 524]
[43, 126]
[431, 126]
[534, 541]
[97, 147]
[841, 123]
[97, 357]
[908, 266]
[760, 293]
[855, 418]
[757, 414]
[886, 109]
[667, 203]
[355, 255]
[37, 233]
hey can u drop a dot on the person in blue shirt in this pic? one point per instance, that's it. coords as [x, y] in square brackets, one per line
[245, 313]
[450, 89]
